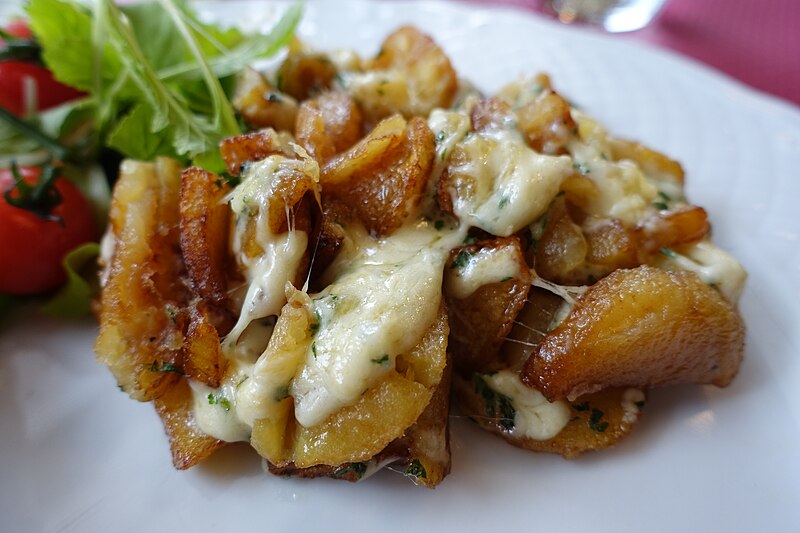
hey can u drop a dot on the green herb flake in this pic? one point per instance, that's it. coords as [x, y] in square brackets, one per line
[661, 206]
[469, 239]
[382, 360]
[507, 278]
[357, 469]
[640, 404]
[503, 202]
[498, 406]
[582, 168]
[281, 393]
[220, 400]
[584, 406]
[440, 136]
[462, 259]
[669, 253]
[161, 366]
[595, 421]
[273, 97]
[314, 349]
[665, 196]
[415, 469]
[439, 224]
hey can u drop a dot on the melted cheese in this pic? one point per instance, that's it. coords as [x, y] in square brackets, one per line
[510, 184]
[489, 265]
[385, 295]
[534, 417]
[713, 265]
[267, 273]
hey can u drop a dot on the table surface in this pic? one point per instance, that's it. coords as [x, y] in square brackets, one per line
[754, 41]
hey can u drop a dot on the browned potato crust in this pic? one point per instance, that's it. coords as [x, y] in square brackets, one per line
[202, 355]
[481, 322]
[653, 163]
[254, 146]
[382, 178]
[262, 105]
[189, 445]
[204, 223]
[547, 123]
[641, 328]
[666, 229]
[140, 327]
[305, 75]
[328, 125]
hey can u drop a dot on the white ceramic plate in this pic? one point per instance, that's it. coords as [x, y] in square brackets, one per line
[77, 455]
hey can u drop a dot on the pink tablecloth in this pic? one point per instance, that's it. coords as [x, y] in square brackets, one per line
[755, 41]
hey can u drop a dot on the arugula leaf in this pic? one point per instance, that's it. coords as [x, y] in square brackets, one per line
[74, 299]
[132, 137]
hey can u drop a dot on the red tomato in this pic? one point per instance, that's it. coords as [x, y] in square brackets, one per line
[49, 92]
[31, 248]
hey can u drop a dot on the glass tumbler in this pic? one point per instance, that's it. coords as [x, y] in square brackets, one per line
[612, 15]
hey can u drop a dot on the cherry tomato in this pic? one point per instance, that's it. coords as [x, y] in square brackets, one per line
[13, 76]
[31, 247]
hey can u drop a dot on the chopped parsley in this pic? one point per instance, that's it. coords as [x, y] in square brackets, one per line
[503, 202]
[640, 404]
[282, 393]
[469, 239]
[595, 421]
[665, 196]
[161, 366]
[439, 224]
[416, 469]
[584, 406]
[440, 136]
[661, 206]
[359, 469]
[171, 313]
[507, 278]
[498, 406]
[669, 253]
[317, 322]
[583, 169]
[314, 349]
[382, 360]
[462, 259]
[220, 400]
[273, 97]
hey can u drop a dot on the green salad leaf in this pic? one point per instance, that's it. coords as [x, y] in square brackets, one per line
[74, 299]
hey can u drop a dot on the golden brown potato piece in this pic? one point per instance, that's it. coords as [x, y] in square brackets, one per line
[328, 125]
[610, 244]
[202, 356]
[642, 327]
[263, 105]
[482, 320]
[188, 443]
[304, 75]
[653, 163]
[254, 146]
[597, 420]
[560, 252]
[666, 229]
[204, 224]
[427, 65]
[141, 330]
[547, 123]
[411, 75]
[491, 114]
[358, 432]
[381, 179]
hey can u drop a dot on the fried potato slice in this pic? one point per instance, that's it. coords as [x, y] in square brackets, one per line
[481, 319]
[328, 125]
[642, 327]
[547, 123]
[360, 431]
[204, 223]
[381, 179]
[140, 332]
[666, 229]
[411, 75]
[653, 163]
[239, 150]
[597, 420]
[304, 75]
[202, 356]
[189, 445]
[261, 104]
